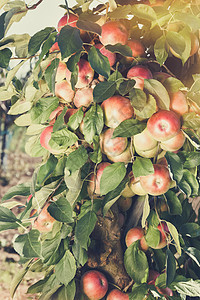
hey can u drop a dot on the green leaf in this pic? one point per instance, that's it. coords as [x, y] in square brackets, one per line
[88, 25]
[61, 210]
[160, 51]
[170, 267]
[142, 167]
[146, 211]
[194, 254]
[173, 202]
[37, 40]
[50, 74]
[139, 291]
[66, 292]
[84, 228]
[111, 177]
[5, 56]
[144, 12]
[128, 128]
[62, 139]
[75, 120]
[74, 184]
[99, 62]
[189, 19]
[17, 279]
[28, 245]
[46, 170]
[74, 42]
[152, 237]
[96, 155]
[174, 233]
[65, 269]
[50, 249]
[173, 84]
[121, 49]
[175, 164]
[138, 99]
[79, 253]
[136, 263]
[104, 90]
[190, 229]
[8, 225]
[42, 109]
[156, 89]
[2, 27]
[76, 159]
[191, 120]
[189, 184]
[176, 42]
[73, 61]
[22, 189]
[46, 46]
[194, 92]
[190, 288]
[6, 215]
[93, 123]
[149, 109]
[126, 86]
[192, 160]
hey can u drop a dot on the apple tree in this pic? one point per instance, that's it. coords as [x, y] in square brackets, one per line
[112, 107]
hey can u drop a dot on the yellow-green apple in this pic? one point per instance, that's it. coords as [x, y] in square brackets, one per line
[124, 203]
[144, 141]
[136, 187]
[157, 183]
[175, 143]
[116, 109]
[112, 146]
[163, 125]
[110, 55]
[134, 234]
[113, 32]
[64, 91]
[178, 103]
[94, 180]
[85, 74]
[44, 222]
[68, 19]
[117, 295]
[61, 72]
[125, 156]
[83, 97]
[127, 192]
[139, 73]
[148, 153]
[94, 284]
[137, 49]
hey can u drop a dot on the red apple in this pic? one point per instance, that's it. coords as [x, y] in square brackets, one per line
[175, 143]
[124, 203]
[68, 19]
[112, 146]
[94, 185]
[163, 125]
[153, 275]
[85, 74]
[125, 156]
[116, 109]
[110, 55]
[69, 113]
[113, 32]
[139, 73]
[45, 138]
[137, 49]
[135, 234]
[194, 44]
[94, 284]
[164, 233]
[44, 222]
[117, 295]
[178, 103]
[83, 97]
[157, 183]
[64, 91]
[54, 47]
[53, 116]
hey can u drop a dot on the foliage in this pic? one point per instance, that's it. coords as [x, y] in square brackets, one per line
[61, 184]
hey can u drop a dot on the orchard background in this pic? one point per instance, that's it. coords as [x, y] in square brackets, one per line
[110, 113]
